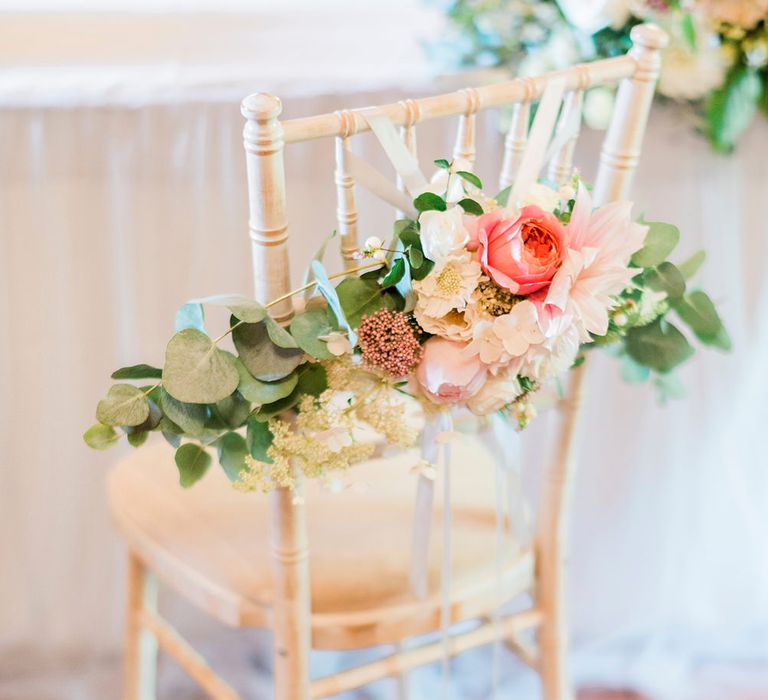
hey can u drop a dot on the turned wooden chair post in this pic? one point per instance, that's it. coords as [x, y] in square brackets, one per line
[618, 160]
[263, 140]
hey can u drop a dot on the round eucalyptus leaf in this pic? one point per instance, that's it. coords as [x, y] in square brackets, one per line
[125, 405]
[232, 452]
[192, 461]
[196, 371]
[242, 307]
[137, 372]
[308, 327]
[100, 437]
[278, 335]
[137, 438]
[666, 278]
[261, 357]
[659, 345]
[660, 241]
[190, 417]
[263, 392]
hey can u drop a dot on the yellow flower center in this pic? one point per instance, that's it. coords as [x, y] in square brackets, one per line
[449, 280]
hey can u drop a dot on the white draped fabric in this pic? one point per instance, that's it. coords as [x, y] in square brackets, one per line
[117, 206]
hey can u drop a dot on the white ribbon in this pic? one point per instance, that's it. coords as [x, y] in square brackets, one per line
[380, 185]
[535, 153]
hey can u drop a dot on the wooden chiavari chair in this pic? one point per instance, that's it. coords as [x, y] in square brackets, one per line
[246, 560]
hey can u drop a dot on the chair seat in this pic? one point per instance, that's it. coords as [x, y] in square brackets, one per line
[211, 544]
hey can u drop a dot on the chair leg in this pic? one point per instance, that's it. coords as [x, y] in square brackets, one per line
[140, 660]
[553, 660]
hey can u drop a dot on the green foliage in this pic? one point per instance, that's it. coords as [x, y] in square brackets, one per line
[192, 461]
[136, 438]
[419, 265]
[100, 437]
[331, 295]
[233, 410]
[190, 417]
[659, 243]
[307, 328]
[243, 308]
[196, 370]
[668, 387]
[137, 372]
[260, 392]
[659, 345]
[633, 372]
[471, 178]
[471, 207]
[697, 310]
[732, 107]
[395, 273]
[125, 404]
[232, 451]
[442, 163]
[258, 439]
[666, 278]
[278, 335]
[503, 197]
[691, 266]
[429, 201]
[261, 357]
[361, 297]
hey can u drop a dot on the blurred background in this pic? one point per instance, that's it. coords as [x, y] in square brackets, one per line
[122, 195]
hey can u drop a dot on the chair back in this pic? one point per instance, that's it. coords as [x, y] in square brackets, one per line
[265, 138]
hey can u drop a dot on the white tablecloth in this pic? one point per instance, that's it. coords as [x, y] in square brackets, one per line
[116, 208]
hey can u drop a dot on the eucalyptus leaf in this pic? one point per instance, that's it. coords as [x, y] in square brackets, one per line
[659, 243]
[429, 201]
[415, 257]
[308, 327]
[191, 315]
[173, 439]
[190, 417]
[361, 297]
[233, 410]
[633, 372]
[666, 278]
[196, 370]
[137, 438]
[232, 452]
[137, 372]
[503, 197]
[100, 437]
[731, 108]
[260, 392]
[697, 310]
[395, 273]
[125, 405]
[471, 178]
[330, 293]
[261, 357]
[192, 461]
[153, 419]
[259, 438]
[659, 345]
[470, 206]
[279, 335]
[312, 380]
[668, 386]
[691, 266]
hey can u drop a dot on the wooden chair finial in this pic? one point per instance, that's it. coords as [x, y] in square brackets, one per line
[261, 107]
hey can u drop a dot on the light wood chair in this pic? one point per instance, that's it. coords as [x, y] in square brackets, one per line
[246, 559]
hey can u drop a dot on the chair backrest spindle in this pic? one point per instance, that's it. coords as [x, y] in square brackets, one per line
[346, 206]
[514, 143]
[561, 165]
[465, 147]
[408, 135]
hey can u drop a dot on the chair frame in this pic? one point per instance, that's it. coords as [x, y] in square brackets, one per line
[265, 138]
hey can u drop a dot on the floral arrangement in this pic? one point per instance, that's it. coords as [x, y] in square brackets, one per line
[476, 303]
[717, 60]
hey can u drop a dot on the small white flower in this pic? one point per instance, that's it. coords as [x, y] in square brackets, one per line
[442, 232]
[688, 74]
[338, 343]
[454, 325]
[372, 248]
[448, 287]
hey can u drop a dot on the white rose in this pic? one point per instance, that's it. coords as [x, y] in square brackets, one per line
[593, 15]
[442, 232]
[598, 107]
[496, 393]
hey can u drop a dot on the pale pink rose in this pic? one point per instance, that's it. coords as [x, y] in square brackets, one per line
[522, 254]
[447, 374]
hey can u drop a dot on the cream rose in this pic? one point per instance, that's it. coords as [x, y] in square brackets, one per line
[442, 232]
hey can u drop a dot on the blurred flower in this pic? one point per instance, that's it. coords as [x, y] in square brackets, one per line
[741, 13]
[593, 15]
[447, 373]
[337, 342]
[598, 107]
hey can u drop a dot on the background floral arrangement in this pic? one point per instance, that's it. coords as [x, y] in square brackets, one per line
[476, 303]
[717, 60]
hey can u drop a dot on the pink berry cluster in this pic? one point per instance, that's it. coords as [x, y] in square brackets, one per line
[388, 342]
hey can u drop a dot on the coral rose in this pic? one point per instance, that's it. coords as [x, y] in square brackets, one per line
[447, 374]
[523, 254]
